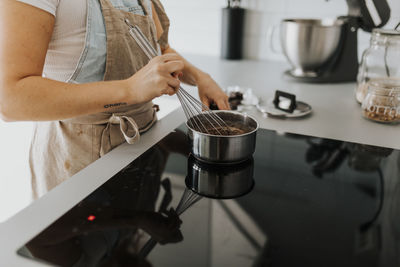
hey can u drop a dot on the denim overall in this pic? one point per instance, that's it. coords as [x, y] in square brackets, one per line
[60, 149]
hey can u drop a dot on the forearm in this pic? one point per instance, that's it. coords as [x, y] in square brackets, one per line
[191, 74]
[36, 98]
[26, 95]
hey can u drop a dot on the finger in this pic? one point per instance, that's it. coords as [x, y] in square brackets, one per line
[170, 57]
[228, 105]
[177, 75]
[205, 101]
[223, 103]
[166, 58]
[175, 66]
[174, 83]
[170, 91]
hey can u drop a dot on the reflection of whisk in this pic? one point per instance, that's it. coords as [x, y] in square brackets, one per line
[200, 117]
[189, 198]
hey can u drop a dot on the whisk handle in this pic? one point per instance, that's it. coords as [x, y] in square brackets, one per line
[147, 248]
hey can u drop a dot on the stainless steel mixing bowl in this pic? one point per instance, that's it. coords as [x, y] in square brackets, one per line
[308, 44]
[225, 149]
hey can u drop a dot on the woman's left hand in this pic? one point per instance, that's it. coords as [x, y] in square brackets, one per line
[210, 92]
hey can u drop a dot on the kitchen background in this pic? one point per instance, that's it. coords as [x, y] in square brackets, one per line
[196, 25]
[195, 29]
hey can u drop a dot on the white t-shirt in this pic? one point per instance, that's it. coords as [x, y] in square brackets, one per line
[68, 39]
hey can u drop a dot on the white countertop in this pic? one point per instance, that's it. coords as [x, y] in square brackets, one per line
[335, 115]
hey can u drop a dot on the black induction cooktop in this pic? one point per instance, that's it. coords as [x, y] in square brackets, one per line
[300, 201]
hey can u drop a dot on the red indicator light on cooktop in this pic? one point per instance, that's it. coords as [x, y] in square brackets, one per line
[91, 218]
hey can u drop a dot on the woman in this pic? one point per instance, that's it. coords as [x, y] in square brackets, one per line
[72, 66]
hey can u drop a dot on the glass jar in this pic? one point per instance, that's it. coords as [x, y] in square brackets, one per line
[382, 102]
[380, 60]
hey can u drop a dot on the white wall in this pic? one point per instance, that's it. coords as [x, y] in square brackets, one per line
[14, 172]
[196, 25]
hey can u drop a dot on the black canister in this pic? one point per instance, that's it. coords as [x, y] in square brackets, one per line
[232, 32]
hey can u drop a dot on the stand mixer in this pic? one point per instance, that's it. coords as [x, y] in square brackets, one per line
[324, 51]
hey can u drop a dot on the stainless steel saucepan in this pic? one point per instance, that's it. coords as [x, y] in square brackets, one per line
[226, 148]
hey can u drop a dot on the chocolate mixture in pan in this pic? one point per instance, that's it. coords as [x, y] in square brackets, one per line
[228, 126]
[223, 130]
[232, 128]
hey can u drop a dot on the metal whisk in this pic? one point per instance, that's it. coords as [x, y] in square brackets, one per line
[199, 116]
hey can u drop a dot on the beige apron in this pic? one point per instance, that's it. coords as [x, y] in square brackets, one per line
[60, 149]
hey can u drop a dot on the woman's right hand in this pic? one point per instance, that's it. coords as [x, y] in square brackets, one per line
[156, 78]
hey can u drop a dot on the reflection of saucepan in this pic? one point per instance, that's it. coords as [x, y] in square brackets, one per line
[220, 181]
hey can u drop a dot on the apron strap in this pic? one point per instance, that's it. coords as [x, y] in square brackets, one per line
[145, 10]
[108, 5]
[126, 123]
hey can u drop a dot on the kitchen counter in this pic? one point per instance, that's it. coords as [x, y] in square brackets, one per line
[336, 115]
